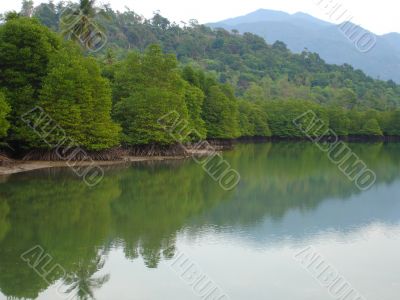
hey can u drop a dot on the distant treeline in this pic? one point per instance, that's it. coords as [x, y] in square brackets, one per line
[103, 102]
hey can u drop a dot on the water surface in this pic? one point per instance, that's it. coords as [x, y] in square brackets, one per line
[119, 239]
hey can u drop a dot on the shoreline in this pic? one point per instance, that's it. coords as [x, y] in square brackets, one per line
[21, 166]
[9, 166]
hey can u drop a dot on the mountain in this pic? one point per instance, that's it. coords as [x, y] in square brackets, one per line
[253, 68]
[300, 31]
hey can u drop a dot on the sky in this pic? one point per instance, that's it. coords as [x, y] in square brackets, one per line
[379, 17]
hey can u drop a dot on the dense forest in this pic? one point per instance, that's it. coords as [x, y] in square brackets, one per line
[226, 85]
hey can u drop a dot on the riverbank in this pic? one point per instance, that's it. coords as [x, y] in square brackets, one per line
[9, 166]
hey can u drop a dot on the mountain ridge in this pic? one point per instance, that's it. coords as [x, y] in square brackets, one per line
[302, 31]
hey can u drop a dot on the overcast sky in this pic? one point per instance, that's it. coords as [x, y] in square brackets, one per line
[378, 16]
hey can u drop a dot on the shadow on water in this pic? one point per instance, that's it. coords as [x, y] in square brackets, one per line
[142, 209]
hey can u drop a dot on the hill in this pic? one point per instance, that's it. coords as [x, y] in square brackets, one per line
[300, 31]
[256, 70]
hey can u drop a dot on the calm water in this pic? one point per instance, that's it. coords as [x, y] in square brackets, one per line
[120, 239]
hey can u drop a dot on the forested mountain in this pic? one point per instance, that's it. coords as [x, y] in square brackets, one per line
[300, 31]
[224, 84]
[246, 61]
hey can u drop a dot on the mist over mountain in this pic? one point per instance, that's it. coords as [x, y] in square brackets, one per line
[300, 31]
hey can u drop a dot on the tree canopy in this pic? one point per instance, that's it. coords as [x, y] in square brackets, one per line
[4, 111]
[223, 85]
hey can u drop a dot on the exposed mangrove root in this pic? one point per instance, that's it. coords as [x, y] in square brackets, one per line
[4, 159]
[75, 154]
[157, 150]
[221, 144]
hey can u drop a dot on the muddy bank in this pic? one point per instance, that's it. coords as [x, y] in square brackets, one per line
[10, 166]
[39, 159]
[34, 159]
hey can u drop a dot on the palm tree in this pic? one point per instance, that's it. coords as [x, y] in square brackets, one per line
[110, 56]
[78, 23]
[82, 282]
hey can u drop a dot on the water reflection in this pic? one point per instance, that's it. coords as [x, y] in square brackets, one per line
[289, 192]
[82, 282]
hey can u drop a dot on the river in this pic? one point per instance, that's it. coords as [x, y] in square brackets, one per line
[292, 228]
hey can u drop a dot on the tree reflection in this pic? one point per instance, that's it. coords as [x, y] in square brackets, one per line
[82, 281]
[142, 209]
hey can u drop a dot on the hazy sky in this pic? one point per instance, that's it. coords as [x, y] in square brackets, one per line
[378, 16]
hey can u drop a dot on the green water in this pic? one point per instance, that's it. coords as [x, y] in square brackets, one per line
[120, 239]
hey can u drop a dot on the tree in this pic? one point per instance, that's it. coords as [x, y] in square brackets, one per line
[282, 116]
[48, 14]
[260, 121]
[246, 127]
[365, 123]
[346, 98]
[371, 128]
[100, 130]
[151, 87]
[389, 122]
[338, 121]
[220, 113]
[255, 93]
[27, 8]
[194, 98]
[78, 99]
[241, 60]
[79, 24]
[4, 111]
[82, 282]
[356, 122]
[25, 50]
[253, 120]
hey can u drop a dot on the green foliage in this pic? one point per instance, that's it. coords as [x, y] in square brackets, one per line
[4, 111]
[72, 221]
[390, 122]
[371, 128]
[78, 99]
[37, 70]
[345, 98]
[252, 120]
[338, 120]
[194, 99]
[100, 130]
[220, 112]
[246, 127]
[282, 114]
[258, 117]
[365, 123]
[25, 50]
[78, 23]
[275, 86]
[247, 62]
[356, 122]
[48, 14]
[150, 87]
